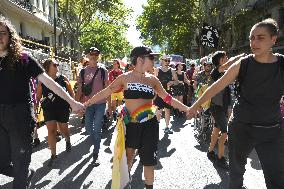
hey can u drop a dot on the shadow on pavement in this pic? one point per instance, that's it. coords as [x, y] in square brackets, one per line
[224, 176]
[178, 123]
[64, 161]
[163, 151]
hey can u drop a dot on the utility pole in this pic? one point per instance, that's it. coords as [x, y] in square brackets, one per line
[54, 27]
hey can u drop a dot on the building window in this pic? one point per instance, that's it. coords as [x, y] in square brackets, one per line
[43, 5]
[281, 17]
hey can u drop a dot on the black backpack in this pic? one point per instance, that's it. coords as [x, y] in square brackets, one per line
[243, 71]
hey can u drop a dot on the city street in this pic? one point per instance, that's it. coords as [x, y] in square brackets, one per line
[182, 163]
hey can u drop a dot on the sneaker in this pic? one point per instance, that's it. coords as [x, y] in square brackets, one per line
[114, 116]
[168, 131]
[211, 156]
[51, 160]
[68, 146]
[223, 163]
[96, 161]
[30, 176]
[36, 142]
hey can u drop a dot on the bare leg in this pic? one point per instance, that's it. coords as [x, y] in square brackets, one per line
[149, 175]
[52, 129]
[130, 152]
[167, 117]
[214, 138]
[64, 130]
[221, 145]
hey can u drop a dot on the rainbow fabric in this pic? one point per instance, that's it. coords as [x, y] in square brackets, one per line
[141, 114]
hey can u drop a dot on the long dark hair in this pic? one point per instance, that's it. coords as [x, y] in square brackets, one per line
[14, 45]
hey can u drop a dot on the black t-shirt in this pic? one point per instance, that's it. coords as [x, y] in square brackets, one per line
[225, 95]
[15, 83]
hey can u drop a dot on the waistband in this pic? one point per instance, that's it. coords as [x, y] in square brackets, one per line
[139, 115]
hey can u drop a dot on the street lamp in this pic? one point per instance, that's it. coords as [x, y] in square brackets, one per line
[54, 26]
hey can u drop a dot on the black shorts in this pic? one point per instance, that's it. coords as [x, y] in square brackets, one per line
[220, 117]
[159, 102]
[144, 137]
[60, 115]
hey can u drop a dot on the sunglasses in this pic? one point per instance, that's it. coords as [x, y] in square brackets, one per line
[166, 60]
[151, 57]
[94, 54]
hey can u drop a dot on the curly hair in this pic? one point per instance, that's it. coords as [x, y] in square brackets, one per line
[14, 45]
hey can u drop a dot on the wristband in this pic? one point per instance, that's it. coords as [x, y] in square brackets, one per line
[168, 99]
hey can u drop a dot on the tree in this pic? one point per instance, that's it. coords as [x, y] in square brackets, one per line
[170, 24]
[88, 22]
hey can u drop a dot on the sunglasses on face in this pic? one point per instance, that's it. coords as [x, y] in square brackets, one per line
[151, 57]
[94, 54]
[166, 60]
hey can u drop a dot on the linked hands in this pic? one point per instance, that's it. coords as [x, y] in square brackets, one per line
[78, 107]
[192, 112]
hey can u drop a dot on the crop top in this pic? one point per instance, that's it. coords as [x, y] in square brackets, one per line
[138, 90]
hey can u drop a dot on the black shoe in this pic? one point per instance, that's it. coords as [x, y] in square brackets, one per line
[114, 116]
[168, 131]
[68, 146]
[30, 176]
[96, 161]
[36, 142]
[223, 163]
[58, 136]
[211, 156]
[51, 160]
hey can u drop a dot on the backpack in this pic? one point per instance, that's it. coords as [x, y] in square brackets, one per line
[87, 88]
[243, 71]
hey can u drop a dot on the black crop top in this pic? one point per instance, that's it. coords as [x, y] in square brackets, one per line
[138, 90]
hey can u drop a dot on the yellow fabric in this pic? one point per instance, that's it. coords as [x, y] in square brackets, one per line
[118, 96]
[202, 89]
[40, 117]
[120, 175]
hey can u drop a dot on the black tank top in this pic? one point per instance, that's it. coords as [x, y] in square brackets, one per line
[138, 90]
[54, 101]
[261, 91]
[180, 76]
[165, 77]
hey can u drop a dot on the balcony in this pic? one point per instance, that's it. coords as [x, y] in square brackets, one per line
[25, 4]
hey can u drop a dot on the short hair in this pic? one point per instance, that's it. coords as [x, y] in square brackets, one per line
[46, 64]
[217, 56]
[270, 24]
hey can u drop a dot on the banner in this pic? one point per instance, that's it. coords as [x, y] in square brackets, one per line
[209, 36]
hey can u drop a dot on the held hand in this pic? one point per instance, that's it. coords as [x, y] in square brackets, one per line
[192, 112]
[78, 107]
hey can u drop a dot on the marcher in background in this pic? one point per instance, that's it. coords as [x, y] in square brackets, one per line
[190, 94]
[116, 97]
[56, 111]
[219, 109]
[16, 107]
[167, 77]
[90, 81]
[256, 121]
[142, 128]
[179, 89]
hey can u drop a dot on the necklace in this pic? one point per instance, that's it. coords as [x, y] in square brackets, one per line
[1, 62]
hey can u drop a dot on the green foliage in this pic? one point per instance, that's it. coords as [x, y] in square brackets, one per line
[98, 23]
[170, 24]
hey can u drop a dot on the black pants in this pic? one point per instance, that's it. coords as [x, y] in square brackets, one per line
[269, 145]
[15, 142]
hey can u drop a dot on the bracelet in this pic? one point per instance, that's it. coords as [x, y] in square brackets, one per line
[168, 99]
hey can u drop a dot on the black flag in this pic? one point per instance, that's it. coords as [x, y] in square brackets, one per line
[209, 36]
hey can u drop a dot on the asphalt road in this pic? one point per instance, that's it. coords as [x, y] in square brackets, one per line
[182, 163]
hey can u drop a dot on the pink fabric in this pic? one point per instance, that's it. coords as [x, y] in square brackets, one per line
[97, 85]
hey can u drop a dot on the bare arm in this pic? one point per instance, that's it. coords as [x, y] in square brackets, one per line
[231, 61]
[219, 85]
[105, 93]
[69, 87]
[162, 93]
[57, 89]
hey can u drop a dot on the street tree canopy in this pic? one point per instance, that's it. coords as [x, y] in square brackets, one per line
[100, 23]
[170, 24]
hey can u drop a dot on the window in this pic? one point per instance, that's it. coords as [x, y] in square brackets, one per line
[43, 5]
